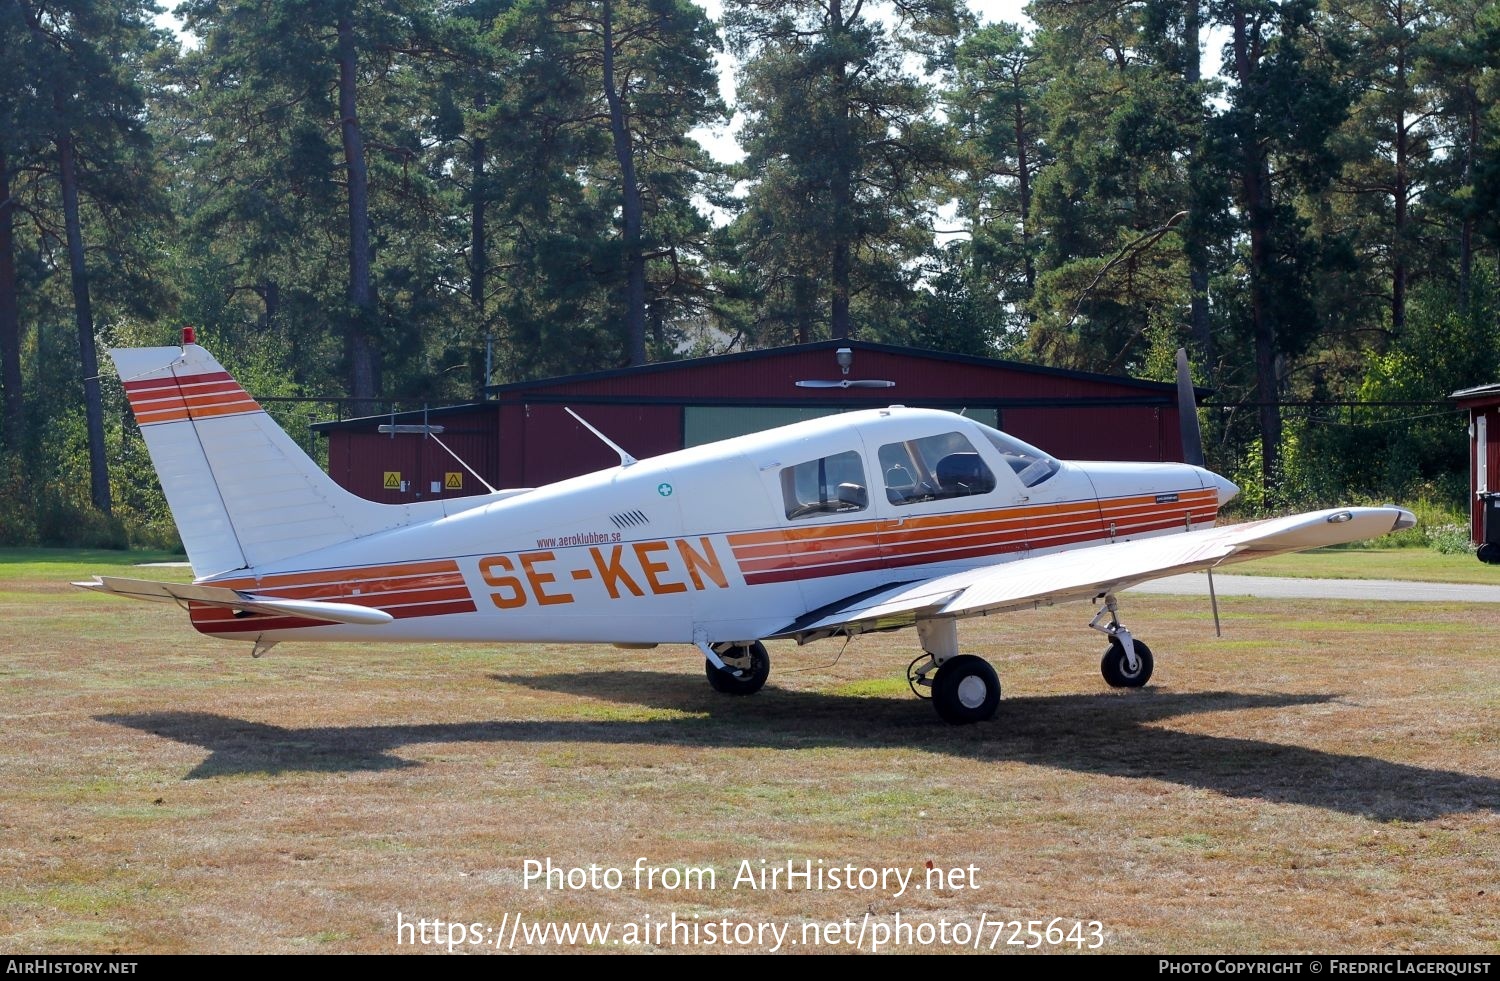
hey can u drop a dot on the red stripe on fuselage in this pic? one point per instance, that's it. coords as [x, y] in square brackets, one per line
[404, 590]
[839, 549]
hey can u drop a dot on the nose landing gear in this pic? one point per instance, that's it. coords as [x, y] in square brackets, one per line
[1127, 662]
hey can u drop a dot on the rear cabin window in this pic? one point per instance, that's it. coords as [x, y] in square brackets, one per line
[827, 485]
[933, 468]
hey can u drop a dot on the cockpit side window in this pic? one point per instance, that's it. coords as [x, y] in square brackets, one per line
[827, 485]
[933, 468]
[1030, 464]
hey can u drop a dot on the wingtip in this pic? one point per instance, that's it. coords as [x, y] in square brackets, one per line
[1404, 520]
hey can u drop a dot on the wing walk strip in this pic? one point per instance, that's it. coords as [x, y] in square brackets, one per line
[811, 552]
[188, 397]
[416, 589]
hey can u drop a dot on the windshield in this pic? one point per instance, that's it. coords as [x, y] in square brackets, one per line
[1031, 465]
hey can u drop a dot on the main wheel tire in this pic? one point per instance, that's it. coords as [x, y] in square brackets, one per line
[1116, 669]
[966, 690]
[752, 677]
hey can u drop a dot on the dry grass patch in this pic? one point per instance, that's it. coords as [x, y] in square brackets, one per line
[1327, 777]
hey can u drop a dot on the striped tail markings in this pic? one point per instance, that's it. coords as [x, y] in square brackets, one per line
[186, 397]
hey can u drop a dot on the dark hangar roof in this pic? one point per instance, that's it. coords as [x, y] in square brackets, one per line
[768, 377]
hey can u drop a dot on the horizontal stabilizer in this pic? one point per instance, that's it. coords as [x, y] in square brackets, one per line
[233, 599]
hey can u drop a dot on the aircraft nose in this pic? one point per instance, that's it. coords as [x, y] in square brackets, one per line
[1228, 490]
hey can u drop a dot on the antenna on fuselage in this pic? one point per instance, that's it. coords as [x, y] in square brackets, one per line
[625, 458]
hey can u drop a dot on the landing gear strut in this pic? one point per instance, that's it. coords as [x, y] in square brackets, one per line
[1127, 662]
[963, 688]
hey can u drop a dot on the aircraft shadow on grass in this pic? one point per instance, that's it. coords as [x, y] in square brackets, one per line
[1106, 733]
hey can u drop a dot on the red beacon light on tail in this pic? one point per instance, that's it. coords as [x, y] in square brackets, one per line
[188, 337]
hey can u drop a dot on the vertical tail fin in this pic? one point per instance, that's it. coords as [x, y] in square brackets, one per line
[242, 493]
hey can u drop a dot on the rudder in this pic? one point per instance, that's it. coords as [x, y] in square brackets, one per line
[242, 492]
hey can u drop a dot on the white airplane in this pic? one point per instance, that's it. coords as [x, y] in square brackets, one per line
[871, 520]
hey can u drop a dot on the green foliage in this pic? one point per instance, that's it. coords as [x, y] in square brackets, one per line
[842, 154]
[1450, 539]
[1307, 208]
[1124, 121]
[1397, 452]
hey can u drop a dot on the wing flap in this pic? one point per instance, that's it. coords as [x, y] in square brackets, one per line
[896, 606]
[1084, 573]
[232, 599]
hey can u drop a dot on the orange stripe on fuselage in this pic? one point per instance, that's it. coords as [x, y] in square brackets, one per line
[361, 574]
[828, 550]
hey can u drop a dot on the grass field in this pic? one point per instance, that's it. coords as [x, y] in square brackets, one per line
[1419, 564]
[1324, 778]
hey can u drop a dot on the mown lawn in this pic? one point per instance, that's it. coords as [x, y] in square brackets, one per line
[1420, 564]
[1326, 777]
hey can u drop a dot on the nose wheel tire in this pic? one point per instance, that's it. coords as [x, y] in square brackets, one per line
[753, 663]
[1116, 667]
[965, 690]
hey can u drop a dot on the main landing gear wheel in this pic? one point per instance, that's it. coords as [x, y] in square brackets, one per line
[1116, 666]
[966, 690]
[751, 660]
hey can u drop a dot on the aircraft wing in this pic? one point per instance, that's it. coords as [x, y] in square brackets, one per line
[233, 599]
[1092, 571]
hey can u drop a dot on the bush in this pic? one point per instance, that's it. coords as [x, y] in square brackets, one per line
[1450, 539]
[66, 519]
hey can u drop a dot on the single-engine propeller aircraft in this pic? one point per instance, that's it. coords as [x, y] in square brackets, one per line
[871, 520]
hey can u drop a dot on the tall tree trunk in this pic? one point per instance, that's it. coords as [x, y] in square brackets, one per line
[270, 298]
[364, 380]
[479, 245]
[1255, 192]
[1196, 247]
[1023, 188]
[841, 183]
[83, 315]
[1466, 230]
[10, 314]
[630, 201]
[1402, 194]
[803, 297]
[478, 241]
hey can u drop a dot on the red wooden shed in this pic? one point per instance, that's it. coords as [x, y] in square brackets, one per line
[1483, 405]
[520, 436]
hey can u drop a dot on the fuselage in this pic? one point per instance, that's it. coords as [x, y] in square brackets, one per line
[732, 541]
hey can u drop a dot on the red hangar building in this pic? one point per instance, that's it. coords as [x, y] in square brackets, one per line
[519, 434]
[1483, 406]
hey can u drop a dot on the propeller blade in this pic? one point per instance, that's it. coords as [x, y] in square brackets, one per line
[846, 383]
[1187, 413]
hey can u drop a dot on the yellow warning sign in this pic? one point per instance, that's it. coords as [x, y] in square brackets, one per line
[453, 480]
[393, 480]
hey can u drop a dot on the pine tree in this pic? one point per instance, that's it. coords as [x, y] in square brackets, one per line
[84, 62]
[1284, 104]
[281, 78]
[842, 157]
[994, 103]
